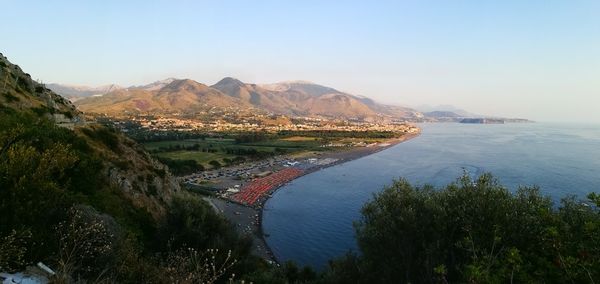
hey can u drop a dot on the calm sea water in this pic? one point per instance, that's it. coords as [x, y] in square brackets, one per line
[310, 220]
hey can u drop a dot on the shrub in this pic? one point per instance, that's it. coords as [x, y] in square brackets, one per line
[85, 239]
[215, 164]
[160, 172]
[23, 83]
[190, 266]
[13, 248]
[182, 167]
[42, 110]
[104, 135]
[10, 97]
[479, 232]
[68, 114]
[122, 164]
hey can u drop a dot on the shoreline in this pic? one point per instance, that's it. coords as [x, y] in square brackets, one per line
[248, 219]
[343, 157]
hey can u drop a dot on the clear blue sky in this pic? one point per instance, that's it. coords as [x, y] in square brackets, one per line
[534, 59]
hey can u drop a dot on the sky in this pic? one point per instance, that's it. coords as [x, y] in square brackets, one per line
[532, 59]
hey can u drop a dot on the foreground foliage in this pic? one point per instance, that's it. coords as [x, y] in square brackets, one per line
[473, 231]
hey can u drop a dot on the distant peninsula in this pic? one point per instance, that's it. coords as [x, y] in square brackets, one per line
[493, 120]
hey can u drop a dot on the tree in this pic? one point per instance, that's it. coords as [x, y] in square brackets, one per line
[215, 164]
[476, 231]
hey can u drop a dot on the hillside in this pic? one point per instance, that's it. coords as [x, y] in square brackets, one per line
[125, 164]
[288, 98]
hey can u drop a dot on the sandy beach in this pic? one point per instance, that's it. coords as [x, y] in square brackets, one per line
[248, 219]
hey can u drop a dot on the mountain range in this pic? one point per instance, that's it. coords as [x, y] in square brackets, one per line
[75, 92]
[294, 98]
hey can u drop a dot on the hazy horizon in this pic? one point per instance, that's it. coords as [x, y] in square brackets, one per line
[533, 59]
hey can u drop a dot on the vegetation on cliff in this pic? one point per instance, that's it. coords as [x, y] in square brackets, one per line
[59, 206]
[93, 205]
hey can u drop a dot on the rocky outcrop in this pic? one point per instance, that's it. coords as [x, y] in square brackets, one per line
[18, 91]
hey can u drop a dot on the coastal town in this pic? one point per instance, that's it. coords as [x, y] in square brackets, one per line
[250, 123]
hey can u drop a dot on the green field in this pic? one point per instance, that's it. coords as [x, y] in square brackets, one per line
[215, 142]
[218, 149]
[212, 142]
[291, 144]
[200, 157]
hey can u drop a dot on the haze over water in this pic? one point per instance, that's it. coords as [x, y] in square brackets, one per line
[310, 220]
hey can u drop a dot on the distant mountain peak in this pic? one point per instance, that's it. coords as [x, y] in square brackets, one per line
[297, 82]
[184, 84]
[229, 81]
[164, 81]
[233, 87]
[305, 87]
[156, 85]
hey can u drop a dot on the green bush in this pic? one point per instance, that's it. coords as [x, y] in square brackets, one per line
[42, 110]
[23, 83]
[10, 97]
[68, 114]
[215, 164]
[182, 167]
[13, 248]
[476, 231]
[105, 135]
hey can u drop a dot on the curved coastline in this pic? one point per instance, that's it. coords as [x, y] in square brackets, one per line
[343, 157]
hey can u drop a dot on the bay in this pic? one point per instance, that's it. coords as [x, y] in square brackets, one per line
[310, 220]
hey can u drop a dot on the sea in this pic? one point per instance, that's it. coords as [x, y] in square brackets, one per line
[310, 220]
